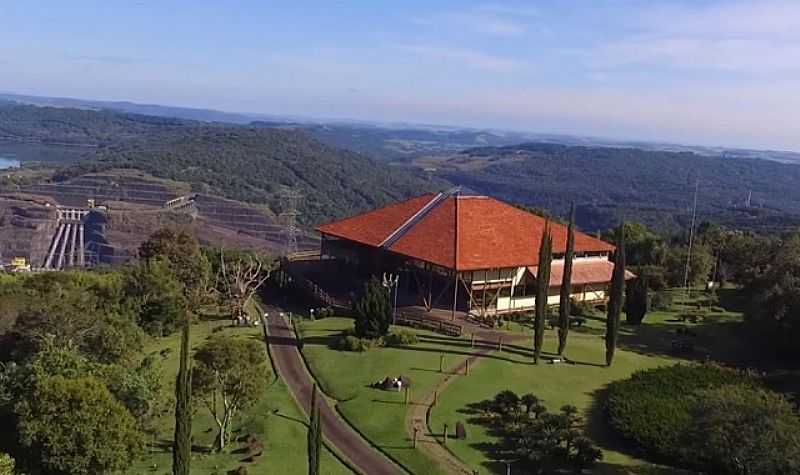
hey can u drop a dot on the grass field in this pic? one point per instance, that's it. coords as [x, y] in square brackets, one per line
[275, 420]
[379, 414]
[582, 384]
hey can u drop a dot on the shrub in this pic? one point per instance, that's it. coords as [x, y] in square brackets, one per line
[579, 308]
[353, 343]
[402, 338]
[739, 429]
[661, 301]
[653, 408]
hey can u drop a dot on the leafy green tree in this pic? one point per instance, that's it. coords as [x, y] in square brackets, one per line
[69, 316]
[617, 293]
[565, 298]
[182, 438]
[179, 248]
[157, 294]
[7, 464]
[314, 435]
[700, 265]
[775, 297]
[77, 426]
[229, 375]
[373, 311]
[542, 290]
[643, 247]
[738, 429]
[541, 441]
[637, 300]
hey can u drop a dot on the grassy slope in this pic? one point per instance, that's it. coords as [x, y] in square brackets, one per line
[283, 432]
[582, 384]
[378, 414]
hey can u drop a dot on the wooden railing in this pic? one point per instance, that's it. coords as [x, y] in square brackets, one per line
[311, 289]
[414, 321]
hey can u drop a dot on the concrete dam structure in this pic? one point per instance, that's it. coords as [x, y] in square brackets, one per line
[68, 248]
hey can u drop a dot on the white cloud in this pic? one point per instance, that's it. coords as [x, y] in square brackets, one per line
[755, 38]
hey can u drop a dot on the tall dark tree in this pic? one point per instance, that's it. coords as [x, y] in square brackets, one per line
[314, 435]
[182, 445]
[542, 287]
[373, 311]
[566, 285]
[637, 300]
[616, 296]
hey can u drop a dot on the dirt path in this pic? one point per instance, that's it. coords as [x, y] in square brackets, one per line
[291, 368]
[419, 416]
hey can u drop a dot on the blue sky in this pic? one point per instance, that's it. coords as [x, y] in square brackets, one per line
[699, 72]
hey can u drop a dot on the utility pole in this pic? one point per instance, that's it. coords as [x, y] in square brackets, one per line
[691, 238]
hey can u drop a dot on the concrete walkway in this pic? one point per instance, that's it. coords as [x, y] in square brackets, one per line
[291, 368]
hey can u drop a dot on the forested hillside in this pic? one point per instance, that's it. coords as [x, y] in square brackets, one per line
[613, 183]
[254, 165]
[55, 125]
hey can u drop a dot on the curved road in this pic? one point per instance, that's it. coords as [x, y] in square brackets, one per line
[290, 366]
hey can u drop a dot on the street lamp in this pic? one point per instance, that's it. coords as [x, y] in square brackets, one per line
[389, 281]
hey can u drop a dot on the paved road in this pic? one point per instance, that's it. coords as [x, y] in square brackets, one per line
[291, 368]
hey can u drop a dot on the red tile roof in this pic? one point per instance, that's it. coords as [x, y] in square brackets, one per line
[593, 271]
[461, 232]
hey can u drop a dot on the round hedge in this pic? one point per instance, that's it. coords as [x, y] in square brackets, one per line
[652, 407]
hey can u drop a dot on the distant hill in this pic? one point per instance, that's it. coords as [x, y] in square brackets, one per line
[385, 141]
[400, 142]
[55, 125]
[254, 166]
[609, 184]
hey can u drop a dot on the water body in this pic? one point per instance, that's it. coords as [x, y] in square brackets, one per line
[14, 154]
[8, 163]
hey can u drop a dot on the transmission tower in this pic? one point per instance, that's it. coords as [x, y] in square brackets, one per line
[290, 202]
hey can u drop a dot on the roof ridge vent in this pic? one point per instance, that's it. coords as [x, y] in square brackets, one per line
[417, 217]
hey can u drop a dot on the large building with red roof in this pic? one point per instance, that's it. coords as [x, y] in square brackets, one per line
[467, 253]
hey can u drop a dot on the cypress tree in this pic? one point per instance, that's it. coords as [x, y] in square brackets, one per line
[314, 435]
[182, 444]
[566, 285]
[637, 300]
[542, 286]
[373, 311]
[616, 297]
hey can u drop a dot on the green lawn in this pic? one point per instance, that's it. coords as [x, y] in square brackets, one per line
[582, 384]
[275, 420]
[379, 414]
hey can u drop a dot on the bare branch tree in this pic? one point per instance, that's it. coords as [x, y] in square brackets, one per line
[240, 279]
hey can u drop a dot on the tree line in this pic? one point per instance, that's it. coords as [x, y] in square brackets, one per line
[77, 390]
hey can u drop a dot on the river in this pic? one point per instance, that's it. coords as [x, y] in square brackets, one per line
[13, 154]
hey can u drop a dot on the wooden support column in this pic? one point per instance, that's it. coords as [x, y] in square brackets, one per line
[483, 298]
[429, 304]
[455, 295]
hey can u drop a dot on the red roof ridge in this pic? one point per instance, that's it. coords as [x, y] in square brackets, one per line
[468, 233]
